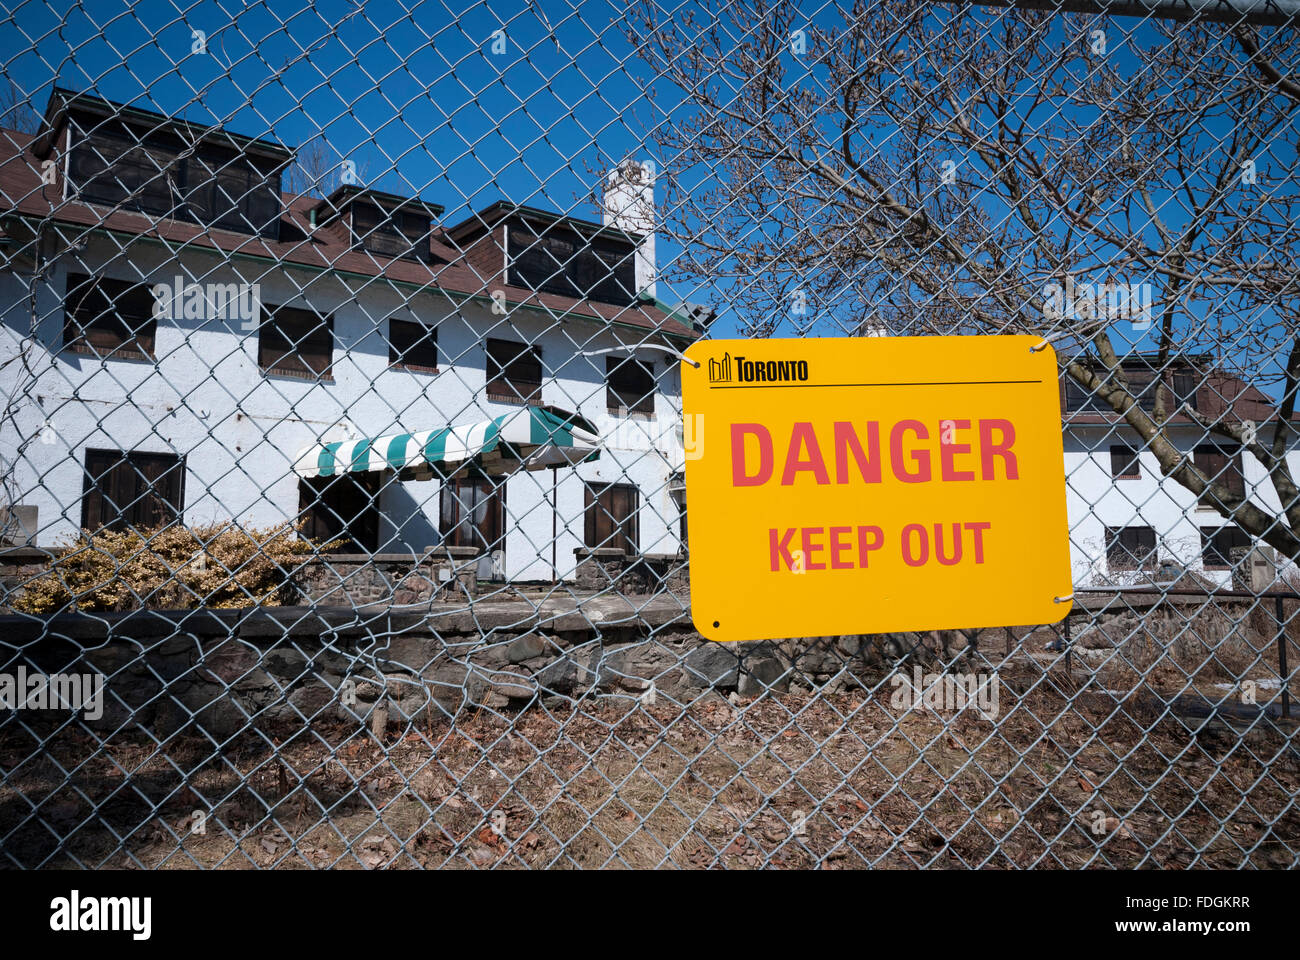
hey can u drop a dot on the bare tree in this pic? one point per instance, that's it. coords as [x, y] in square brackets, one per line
[950, 169]
[318, 170]
[16, 111]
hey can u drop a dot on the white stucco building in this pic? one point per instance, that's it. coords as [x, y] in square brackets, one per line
[1127, 520]
[373, 318]
[175, 331]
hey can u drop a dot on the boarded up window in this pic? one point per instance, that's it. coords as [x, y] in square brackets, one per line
[119, 167]
[1130, 548]
[514, 372]
[473, 513]
[1124, 463]
[412, 346]
[1221, 465]
[630, 386]
[296, 343]
[104, 317]
[610, 519]
[554, 260]
[1186, 382]
[138, 168]
[344, 507]
[234, 191]
[132, 489]
[399, 234]
[1224, 547]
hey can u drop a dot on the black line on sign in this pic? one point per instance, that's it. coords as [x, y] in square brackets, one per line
[918, 383]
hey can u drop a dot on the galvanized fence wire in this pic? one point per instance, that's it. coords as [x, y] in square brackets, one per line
[343, 438]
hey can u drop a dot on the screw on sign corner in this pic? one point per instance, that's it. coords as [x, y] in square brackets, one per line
[716, 624]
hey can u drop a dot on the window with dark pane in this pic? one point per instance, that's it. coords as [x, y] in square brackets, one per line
[1221, 464]
[1130, 548]
[630, 385]
[1079, 399]
[412, 346]
[514, 372]
[135, 167]
[473, 513]
[132, 490]
[343, 508]
[118, 166]
[542, 262]
[397, 234]
[1124, 463]
[239, 192]
[1144, 385]
[1224, 547]
[555, 260]
[293, 342]
[610, 519]
[110, 318]
[606, 271]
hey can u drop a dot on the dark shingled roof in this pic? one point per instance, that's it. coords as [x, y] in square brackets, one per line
[22, 194]
[1219, 396]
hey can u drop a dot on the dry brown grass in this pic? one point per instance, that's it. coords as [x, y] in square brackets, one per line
[1057, 782]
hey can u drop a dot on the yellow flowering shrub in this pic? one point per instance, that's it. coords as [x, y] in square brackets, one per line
[214, 565]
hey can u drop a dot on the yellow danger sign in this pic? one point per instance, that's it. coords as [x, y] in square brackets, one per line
[874, 485]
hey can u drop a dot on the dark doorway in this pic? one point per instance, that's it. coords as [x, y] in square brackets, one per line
[343, 508]
[473, 514]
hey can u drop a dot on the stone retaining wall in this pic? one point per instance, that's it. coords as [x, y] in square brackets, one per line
[221, 671]
[18, 565]
[603, 568]
[347, 579]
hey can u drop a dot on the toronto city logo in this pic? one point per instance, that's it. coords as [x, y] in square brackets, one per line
[757, 371]
[720, 370]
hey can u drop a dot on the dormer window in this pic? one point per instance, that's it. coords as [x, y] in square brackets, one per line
[1179, 382]
[132, 159]
[561, 260]
[380, 223]
[538, 250]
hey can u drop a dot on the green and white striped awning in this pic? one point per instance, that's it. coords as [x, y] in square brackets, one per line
[531, 438]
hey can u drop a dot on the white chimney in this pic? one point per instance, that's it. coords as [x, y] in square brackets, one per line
[630, 205]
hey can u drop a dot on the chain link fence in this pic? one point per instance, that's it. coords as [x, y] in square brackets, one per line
[343, 509]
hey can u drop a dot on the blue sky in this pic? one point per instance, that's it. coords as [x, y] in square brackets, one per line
[414, 94]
